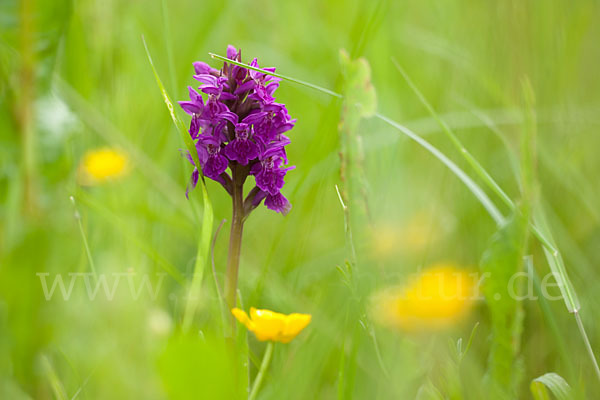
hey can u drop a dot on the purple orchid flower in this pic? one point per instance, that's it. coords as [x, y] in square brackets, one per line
[237, 125]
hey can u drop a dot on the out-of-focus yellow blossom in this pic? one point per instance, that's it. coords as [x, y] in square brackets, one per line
[98, 166]
[273, 326]
[413, 236]
[385, 240]
[436, 298]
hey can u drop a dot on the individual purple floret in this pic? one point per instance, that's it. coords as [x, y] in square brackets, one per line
[238, 130]
[269, 174]
[278, 203]
[211, 157]
[242, 149]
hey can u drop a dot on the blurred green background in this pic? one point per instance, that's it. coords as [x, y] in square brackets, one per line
[74, 76]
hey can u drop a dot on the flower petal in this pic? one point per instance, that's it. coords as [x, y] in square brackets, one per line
[206, 78]
[242, 317]
[231, 52]
[268, 324]
[244, 87]
[294, 324]
[202, 68]
[190, 107]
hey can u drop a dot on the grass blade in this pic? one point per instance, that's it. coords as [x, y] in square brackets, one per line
[202, 256]
[471, 185]
[287, 78]
[588, 345]
[203, 250]
[83, 237]
[481, 172]
[187, 140]
[57, 387]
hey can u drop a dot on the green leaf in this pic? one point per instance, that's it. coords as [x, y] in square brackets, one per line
[556, 383]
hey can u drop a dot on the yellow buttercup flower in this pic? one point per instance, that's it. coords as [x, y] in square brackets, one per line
[101, 165]
[436, 298]
[273, 326]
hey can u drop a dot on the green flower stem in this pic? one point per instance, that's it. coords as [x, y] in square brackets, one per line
[264, 365]
[235, 243]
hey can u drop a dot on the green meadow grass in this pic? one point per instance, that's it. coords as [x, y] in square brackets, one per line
[475, 121]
